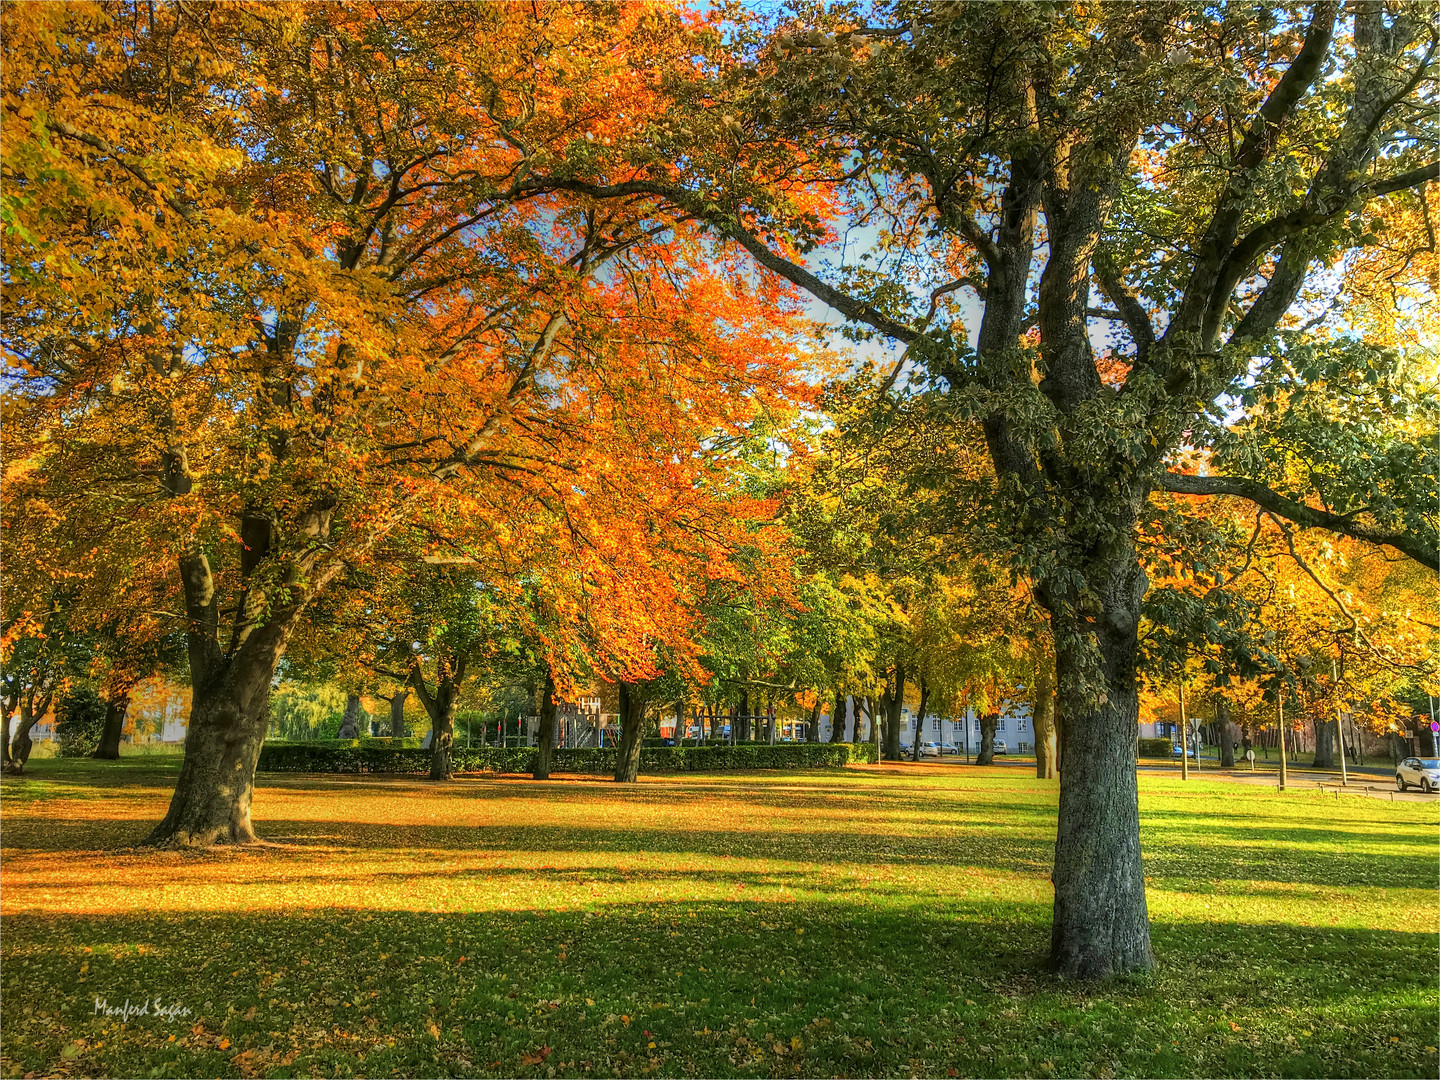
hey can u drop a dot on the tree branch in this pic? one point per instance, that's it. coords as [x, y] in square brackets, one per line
[847, 305]
[1426, 554]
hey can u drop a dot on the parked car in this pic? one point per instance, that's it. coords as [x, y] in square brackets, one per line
[1175, 751]
[999, 746]
[949, 748]
[1421, 771]
[905, 747]
[929, 749]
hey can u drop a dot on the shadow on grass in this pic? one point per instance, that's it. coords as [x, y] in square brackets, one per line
[714, 988]
[1386, 862]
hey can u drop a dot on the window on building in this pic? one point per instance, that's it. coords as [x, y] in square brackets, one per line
[1020, 723]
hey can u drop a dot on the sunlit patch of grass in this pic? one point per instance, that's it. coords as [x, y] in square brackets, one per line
[855, 922]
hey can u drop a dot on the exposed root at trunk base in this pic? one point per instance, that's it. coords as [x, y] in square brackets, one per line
[190, 839]
[1091, 967]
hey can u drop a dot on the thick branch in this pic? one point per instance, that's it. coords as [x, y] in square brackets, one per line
[1415, 547]
[847, 305]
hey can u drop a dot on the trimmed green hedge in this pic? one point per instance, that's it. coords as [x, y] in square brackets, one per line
[316, 758]
[1153, 748]
[376, 741]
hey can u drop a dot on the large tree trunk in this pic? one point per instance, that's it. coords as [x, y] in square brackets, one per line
[989, 722]
[397, 714]
[920, 719]
[229, 714]
[545, 750]
[1101, 924]
[116, 707]
[21, 746]
[1325, 743]
[744, 734]
[893, 704]
[350, 725]
[442, 730]
[837, 720]
[5, 746]
[812, 733]
[1226, 731]
[627, 764]
[1047, 722]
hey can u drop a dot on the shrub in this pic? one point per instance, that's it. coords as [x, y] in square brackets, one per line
[1156, 748]
[335, 756]
[80, 723]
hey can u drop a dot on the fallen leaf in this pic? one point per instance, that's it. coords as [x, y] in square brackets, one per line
[535, 1057]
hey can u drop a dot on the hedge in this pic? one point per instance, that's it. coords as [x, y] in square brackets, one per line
[314, 758]
[1156, 748]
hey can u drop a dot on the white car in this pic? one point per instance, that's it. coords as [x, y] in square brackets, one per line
[1421, 771]
[999, 746]
[929, 749]
[949, 748]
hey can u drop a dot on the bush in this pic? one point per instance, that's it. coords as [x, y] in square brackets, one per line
[1156, 748]
[80, 723]
[335, 757]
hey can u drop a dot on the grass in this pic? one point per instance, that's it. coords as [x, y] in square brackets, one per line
[858, 922]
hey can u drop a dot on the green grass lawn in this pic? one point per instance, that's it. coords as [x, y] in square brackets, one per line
[859, 922]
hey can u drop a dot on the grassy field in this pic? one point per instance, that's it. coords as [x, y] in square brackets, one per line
[870, 921]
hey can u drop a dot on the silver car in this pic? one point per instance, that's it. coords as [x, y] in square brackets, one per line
[1424, 772]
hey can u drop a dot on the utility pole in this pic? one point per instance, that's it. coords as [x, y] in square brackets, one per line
[1280, 710]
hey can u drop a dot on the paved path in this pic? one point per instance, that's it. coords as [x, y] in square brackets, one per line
[1371, 781]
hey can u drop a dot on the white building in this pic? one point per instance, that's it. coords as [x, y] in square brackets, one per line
[1013, 728]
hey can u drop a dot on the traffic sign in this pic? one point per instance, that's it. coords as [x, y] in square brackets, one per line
[1434, 725]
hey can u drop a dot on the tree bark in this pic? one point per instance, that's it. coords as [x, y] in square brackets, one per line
[116, 708]
[1101, 923]
[350, 725]
[442, 729]
[837, 719]
[744, 717]
[21, 746]
[989, 722]
[1046, 718]
[812, 733]
[893, 704]
[1226, 732]
[545, 750]
[229, 714]
[5, 747]
[1325, 743]
[627, 764]
[920, 718]
[397, 713]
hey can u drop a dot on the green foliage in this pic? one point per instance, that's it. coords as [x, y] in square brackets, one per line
[1156, 748]
[306, 709]
[334, 756]
[81, 720]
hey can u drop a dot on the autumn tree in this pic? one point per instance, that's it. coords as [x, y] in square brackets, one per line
[279, 271]
[1074, 170]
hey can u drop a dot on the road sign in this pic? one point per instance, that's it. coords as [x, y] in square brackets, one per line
[1434, 726]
